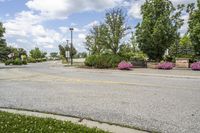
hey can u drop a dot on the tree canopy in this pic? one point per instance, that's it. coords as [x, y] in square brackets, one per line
[37, 53]
[4, 50]
[107, 36]
[194, 26]
[115, 21]
[159, 27]
[65, 48]
[54, 54]
[96, 40]
[182, 49]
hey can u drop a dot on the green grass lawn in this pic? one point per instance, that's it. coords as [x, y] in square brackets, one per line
[14, 123]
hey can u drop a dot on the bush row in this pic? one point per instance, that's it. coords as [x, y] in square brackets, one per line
[32, 60]
[17, 61]
[103, 61]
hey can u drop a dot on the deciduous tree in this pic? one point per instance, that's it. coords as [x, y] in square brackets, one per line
[37, 53]
[115, 21]
[194, 26]
[97, 39]
[159, 27]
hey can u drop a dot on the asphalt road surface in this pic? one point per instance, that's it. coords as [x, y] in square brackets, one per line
[154, 100]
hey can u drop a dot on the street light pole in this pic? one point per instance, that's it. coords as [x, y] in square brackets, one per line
[71, 55]
[67, 42]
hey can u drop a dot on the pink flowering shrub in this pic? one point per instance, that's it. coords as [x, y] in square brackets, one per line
[124, 65]
[165, 65]
[196, 66]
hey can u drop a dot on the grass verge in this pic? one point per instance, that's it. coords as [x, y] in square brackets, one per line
[10, 123]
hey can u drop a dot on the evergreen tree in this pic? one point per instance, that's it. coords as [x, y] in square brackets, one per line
[4, 50]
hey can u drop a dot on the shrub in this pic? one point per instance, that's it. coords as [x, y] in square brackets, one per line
[103, 61]
[31, 60]
[44, 59]
[8, 62]
[195, 59]
[17, 61]
[133, 56]
[139, 56]
[196, 66]
[90, 60]
[127, 55]
[125, 65]
[24, 62]
[165, 65]
[169, 58]
[39, 60]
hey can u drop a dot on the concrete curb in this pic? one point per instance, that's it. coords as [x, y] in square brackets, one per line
[85, 122]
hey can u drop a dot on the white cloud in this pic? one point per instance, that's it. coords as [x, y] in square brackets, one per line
[27, 26]
[22, 41]
[135, 10]
[74, 24]
[82, 36]
[13, 44]
[66, 29]
[60, 9]
[21, 24]
[49, 46]
[91, 24]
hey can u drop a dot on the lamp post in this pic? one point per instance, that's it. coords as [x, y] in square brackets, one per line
[67, 42]
[71, 55]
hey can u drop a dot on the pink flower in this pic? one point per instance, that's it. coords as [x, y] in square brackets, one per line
[196, 66]
[165, 66]
[125, 65]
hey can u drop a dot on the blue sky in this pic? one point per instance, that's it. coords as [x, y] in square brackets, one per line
[45, 23]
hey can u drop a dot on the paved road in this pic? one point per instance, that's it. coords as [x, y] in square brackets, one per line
[155, 100]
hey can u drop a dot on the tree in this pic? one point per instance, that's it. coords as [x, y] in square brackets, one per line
[186, 47]
[4, 50]
[159, 27]
[133, 43]
[62, 51]
[194, 26]
[36, 53]
[54, 54]
[183, 49]
[21, 52]
[65, 48]
[18, 52]
[115, 21]
[44, 54]
[96, 40]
